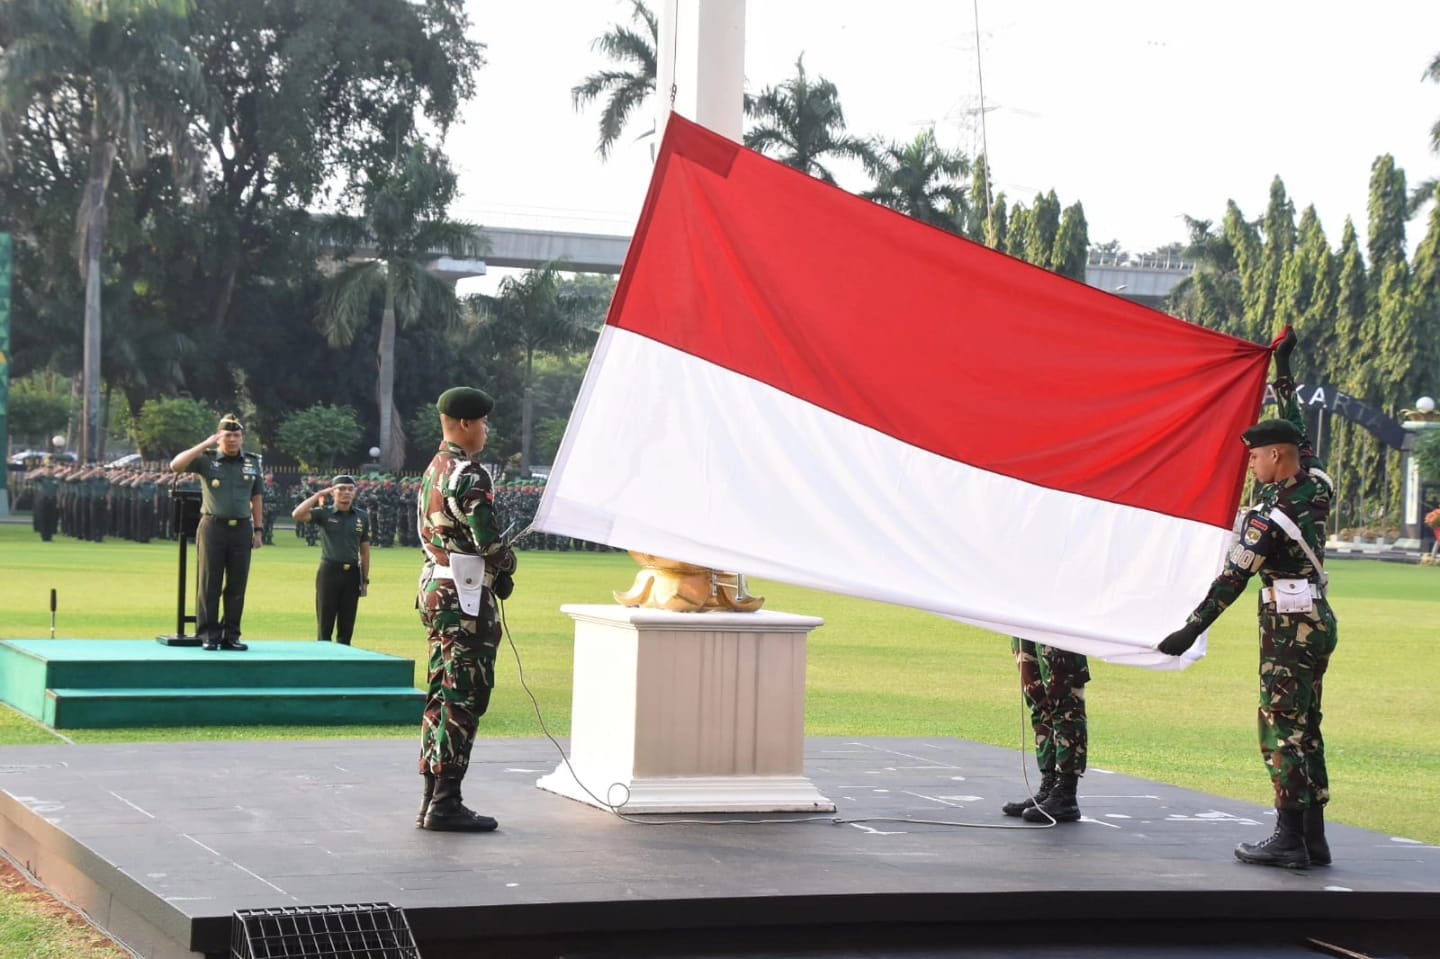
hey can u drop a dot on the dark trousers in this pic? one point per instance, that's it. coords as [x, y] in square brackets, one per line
[47, 517]
[337, 596]
[224, 561]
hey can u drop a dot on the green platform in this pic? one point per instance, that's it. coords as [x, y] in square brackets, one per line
[92, 683]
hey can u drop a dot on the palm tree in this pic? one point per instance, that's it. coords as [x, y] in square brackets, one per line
[628, 88]
[1211, 295]
[139, 87]
[922, 180]
[537, 313]
[800, 123]
[403, 230]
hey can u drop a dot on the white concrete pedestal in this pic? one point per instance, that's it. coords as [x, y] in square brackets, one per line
[688, 712]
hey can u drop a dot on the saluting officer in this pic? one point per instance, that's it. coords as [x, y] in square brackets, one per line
[232, 503]
[344, 574]
[1283, 539]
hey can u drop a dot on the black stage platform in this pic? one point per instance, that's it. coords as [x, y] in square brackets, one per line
[161, 843]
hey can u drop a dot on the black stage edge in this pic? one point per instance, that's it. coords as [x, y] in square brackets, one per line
[161, 843]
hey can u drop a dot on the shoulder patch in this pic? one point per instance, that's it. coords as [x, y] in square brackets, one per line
[1252, 535]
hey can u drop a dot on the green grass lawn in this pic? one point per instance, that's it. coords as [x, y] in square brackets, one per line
[874, 670]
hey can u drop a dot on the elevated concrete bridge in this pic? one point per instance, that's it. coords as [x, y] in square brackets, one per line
[1145, 281]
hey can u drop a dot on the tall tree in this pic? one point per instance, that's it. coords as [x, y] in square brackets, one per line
[137, 87]
[627, 88]
[801, 124]
[1278, 229]
[982, 200]
[997, 224]
[1387, 217]
[1072, 244]
[539, 313]
[923, 180]
[405, 227]
[1249, 250]
[1042, 228]
[1425, 287]
[1305, 299]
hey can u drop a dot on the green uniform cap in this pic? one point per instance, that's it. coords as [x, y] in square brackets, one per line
[343, 479]
[465, 403]
[230, 423]
[1272, 433]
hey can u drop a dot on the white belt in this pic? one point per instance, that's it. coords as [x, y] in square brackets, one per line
[445, 572]
[1267, 595]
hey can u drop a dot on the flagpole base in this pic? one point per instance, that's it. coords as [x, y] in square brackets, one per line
[688, 712]
[689, 794]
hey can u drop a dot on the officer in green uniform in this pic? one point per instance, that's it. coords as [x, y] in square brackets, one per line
[344, 574]
[467, 566]
[231, 508]
[1283, 539]
[1052, 683]
[46, 507]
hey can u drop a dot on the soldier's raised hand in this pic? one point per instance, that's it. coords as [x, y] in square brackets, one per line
[1283, 349]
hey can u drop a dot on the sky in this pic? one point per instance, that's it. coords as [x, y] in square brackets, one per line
[1143, 111]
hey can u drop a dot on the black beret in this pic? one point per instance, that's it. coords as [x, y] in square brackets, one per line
[1272, 433]
[230, 423]
[465, 403]
[343, 479]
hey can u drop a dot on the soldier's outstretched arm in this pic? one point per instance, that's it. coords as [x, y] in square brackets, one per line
[1257, 541]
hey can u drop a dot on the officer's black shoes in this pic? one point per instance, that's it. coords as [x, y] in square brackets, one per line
[1315, 843]
[210, 644]
[448, 814]
[425, 800]
[1018, 807]
[1284, 848]
[1059, 804]
[233, 645]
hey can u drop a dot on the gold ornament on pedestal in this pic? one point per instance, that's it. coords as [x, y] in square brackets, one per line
[686, 588]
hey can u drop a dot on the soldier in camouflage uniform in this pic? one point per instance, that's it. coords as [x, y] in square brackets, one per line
[467, 566]
[1052, 682]
[1283, 539]
[271, 510]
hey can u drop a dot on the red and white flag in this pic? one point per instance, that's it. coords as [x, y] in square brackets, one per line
[798, 384]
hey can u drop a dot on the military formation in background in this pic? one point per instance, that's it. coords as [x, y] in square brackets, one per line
[518, 500]
[93, 502]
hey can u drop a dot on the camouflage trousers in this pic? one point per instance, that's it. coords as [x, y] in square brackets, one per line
[462, 674]
[1294, 653]
[1052, 681]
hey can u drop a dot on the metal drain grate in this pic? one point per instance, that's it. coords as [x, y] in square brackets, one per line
[364, 930]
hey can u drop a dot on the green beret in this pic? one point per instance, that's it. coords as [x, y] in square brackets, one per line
[1272, 433]
[343, 479]
[465, 403]
[230, 423]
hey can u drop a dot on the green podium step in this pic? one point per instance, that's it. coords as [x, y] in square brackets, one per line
[229, 706]
[81, 683]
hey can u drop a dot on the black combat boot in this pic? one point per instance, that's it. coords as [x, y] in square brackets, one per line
[448, 814]
[1018, 807]
[1315, 843]
[425, 800]
[1060, 805]
[1285, 847]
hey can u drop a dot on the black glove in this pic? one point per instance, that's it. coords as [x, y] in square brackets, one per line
[1180, 640]
[1282, 354]
[504, 561]
[504, 585]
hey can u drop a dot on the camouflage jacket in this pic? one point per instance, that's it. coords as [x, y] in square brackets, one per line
[455, 507]
[1263, 546]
